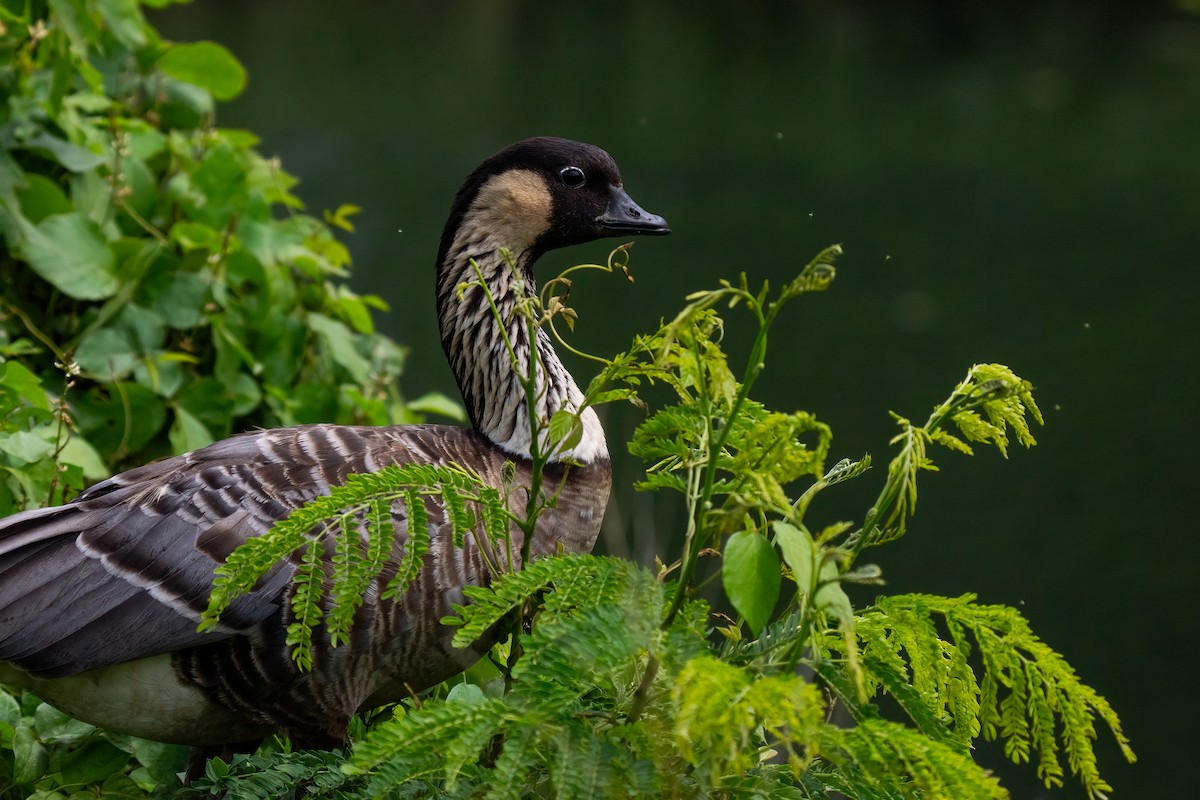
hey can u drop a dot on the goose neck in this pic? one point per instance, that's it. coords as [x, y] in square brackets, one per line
[477, 339]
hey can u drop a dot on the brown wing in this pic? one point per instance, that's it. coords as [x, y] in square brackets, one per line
[126, 569]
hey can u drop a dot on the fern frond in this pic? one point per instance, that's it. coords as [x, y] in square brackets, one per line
[883, 759]
[582, 769]
[591, 649]
[307, 587]
[275, 776]
[817, 274]
[993, 391]
[416, 544]
[761, 452]
[989, 390]
[519, 757]
[579, 580]
[437, 739]
[358, 520]
[1027, 694]
[349, 579]
[719, 707]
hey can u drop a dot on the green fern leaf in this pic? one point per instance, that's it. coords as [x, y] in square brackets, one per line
[1027, 694]
[582, 768]
[357, 519]
[307, 587]
[517, 759]
[719, 707]
[885, 759]
[348, 580]
[437, 739]
[416, 545]
[579, 580]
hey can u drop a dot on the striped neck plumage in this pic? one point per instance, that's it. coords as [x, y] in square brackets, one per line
[474, 344]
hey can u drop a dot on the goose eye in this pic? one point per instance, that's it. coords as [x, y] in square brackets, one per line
[572, 177]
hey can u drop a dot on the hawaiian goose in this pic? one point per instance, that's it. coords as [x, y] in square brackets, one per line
[100, 598]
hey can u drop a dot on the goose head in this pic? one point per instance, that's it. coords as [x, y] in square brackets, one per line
[543, 193]
[533, 196]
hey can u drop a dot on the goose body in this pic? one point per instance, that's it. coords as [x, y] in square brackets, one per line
[100, 598]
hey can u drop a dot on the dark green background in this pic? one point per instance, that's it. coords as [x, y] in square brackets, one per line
[1017, 184]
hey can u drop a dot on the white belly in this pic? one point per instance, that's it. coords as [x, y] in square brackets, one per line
[142, 698]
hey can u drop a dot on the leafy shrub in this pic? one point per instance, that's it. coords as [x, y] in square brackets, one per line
[160, 285]
[612, 683]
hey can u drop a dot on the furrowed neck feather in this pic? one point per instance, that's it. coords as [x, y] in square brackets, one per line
[475, 348]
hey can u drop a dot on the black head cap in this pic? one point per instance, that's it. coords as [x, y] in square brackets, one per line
[548, 193]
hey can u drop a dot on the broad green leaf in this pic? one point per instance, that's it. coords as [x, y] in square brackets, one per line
[162, 373]
[221, 179]
[207, 65]
[467, 693]
[94, 761]
[797, 548]
[145, 327]
[144, 142]
[124, 417]
[246, 394]
[163, 761]
[437, 403]
[210, 401]
[139, 191]
[71, 156]
[10, 709]
[831, 597]
[108, 354]
[53, 725]
[751, 577]
[24, 446]
[68, 251]
[353, 310]
[177, 298]
[188, 433]
[340, 341]
[196, 236]
[185, 106]
[15, 377]
[42, 198]
[30, 758]
[565, 430]
[124, 20]
[11, 179]
[79, 451]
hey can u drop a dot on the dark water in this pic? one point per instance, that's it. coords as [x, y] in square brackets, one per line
[1017, 185]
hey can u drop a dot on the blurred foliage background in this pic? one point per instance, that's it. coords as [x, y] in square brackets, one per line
[1012, 182]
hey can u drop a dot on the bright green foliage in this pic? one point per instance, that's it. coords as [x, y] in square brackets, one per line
[359, 517]
[721, 709]
[160, 287]
[751, 577]
[157, 274]
[268, 775]
[612, 686]
[573, 581]
[877, 758]
[1026, 693]
[38, 459]
[984, 406]
[562, 719]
